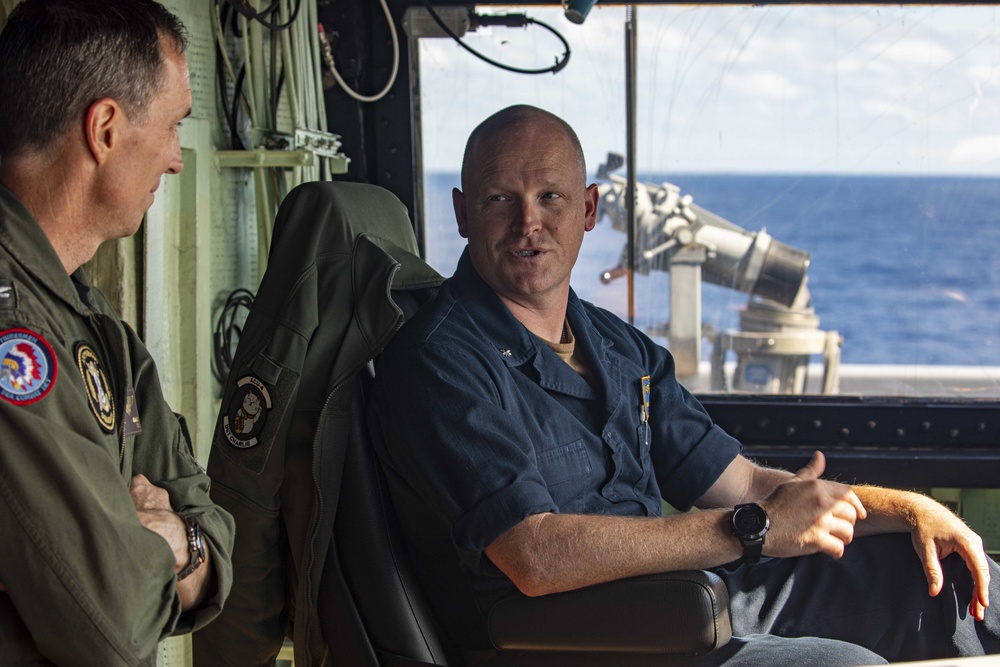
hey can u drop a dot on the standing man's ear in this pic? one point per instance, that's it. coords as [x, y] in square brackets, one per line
[458, 202]
[102, 126]
[591, 197]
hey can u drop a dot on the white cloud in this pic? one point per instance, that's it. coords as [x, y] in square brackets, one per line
[765, 85]
[913, 51]
[975, 151]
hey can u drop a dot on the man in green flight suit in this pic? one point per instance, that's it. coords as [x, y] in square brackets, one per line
[109, 541]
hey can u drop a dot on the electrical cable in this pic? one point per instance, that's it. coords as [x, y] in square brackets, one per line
[510, 20]
[277, 92]
[251, 14]
[228, 329]
[234, 140]
[234, 112]
[224, 65]
[328, 57]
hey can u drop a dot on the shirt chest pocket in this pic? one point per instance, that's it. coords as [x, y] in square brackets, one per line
[564, 463]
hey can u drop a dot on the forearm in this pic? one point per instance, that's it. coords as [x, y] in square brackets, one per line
[550, 553]
[743, 481]
[194, 588]
[892, 510]
[186, 541]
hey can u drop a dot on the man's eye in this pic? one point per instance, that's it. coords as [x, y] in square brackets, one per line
[550, 195]
[496, 198]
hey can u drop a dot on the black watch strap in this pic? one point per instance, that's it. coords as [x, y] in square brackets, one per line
[752, 550]
[196, 549]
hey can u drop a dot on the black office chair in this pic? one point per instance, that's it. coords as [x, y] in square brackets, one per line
[374, 612]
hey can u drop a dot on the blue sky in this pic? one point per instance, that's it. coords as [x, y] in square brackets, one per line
[811, 89]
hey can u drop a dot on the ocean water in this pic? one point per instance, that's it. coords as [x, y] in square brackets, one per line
[906, 269]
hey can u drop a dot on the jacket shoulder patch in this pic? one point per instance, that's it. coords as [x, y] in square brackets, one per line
[246, 413]
[28, 366]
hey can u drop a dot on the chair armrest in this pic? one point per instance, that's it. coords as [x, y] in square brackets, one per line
[672, 612]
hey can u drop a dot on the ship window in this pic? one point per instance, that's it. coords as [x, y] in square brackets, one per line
[819, 184]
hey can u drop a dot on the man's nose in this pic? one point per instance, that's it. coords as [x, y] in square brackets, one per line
[527, 220]
[176, 159]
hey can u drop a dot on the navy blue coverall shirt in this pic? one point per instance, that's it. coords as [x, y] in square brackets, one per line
[483, 425]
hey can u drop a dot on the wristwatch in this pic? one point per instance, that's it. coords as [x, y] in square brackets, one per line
[196, 549]
[750, 524]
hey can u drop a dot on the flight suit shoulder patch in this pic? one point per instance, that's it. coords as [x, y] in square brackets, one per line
[28, 367]
[99, 395]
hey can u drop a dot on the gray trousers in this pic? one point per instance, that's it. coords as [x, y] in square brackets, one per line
[864, 609]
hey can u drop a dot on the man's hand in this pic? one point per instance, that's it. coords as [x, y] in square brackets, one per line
[936, 533]
[811, 515]
[155, 513]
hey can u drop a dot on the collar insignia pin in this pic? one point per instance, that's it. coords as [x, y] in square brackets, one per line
[505, 352]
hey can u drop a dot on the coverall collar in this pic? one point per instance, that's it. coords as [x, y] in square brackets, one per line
[518, 346]
[24, 239]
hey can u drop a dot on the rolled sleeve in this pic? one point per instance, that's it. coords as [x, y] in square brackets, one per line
[467, 458]
[695, 473]
[479, 527]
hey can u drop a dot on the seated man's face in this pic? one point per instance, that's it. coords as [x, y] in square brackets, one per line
[524, 212]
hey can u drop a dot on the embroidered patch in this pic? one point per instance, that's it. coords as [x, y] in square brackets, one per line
[246, 412]
[27, 366]
[102, 402]
[131, 424]
[8, 295]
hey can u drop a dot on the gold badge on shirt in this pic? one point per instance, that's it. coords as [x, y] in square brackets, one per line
[102, 402]
[644, 388]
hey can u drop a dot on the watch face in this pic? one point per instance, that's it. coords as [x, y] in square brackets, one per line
[750, 521]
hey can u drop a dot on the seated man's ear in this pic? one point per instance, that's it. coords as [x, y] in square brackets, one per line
[591, 196]
[458, 202]
[103, 126]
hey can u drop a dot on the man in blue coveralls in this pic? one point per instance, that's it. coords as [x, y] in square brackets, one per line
[543, 433]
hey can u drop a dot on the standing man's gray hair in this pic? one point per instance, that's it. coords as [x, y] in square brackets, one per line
[59, 56]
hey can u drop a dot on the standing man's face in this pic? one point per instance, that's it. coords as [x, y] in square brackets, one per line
[151, 148]
[525, 211]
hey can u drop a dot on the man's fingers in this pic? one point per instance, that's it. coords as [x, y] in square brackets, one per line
[859, 507]
[137, 482]
[932, 568]
[831, 544]
[146, 495]
[842, 529]
[977, 609]
[814, 469]
[975, 560]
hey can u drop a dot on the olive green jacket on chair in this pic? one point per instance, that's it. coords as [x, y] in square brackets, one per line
[323, 310]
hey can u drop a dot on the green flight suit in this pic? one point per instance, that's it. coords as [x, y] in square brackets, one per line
[81, 412]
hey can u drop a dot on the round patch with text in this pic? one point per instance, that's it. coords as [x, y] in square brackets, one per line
[27, 366]
[102, 402]
[246, 413]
